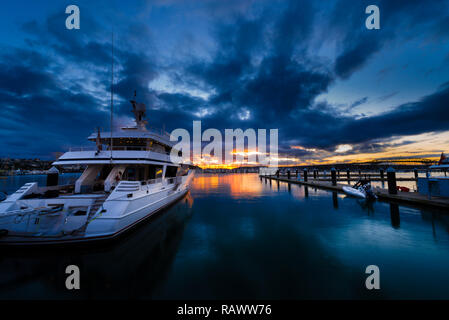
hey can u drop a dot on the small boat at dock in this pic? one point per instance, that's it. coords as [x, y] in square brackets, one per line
[362, 189]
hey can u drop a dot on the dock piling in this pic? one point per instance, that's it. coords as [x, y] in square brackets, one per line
[334, 176]
[416, 174]
[382, 175]
[389, 194]
[391, 177]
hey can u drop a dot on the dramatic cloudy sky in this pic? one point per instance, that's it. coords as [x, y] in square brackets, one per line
[335, 90]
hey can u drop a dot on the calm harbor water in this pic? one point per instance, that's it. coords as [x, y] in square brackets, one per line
[235, 236]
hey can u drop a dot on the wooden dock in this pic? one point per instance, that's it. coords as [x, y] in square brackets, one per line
[411, 198]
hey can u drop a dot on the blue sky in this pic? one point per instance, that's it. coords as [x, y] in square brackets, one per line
[309, 68]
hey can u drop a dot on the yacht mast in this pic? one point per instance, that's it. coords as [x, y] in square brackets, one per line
[112, 89]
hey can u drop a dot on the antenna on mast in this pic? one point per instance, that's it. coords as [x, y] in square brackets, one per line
[139, 110]
[112, 89]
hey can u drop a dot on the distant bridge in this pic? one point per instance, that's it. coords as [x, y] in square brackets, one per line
[420, 161]
[398, 163]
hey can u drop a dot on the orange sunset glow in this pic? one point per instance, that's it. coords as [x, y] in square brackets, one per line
[427, 145]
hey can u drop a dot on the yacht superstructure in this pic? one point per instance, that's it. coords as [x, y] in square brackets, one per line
[128, 176]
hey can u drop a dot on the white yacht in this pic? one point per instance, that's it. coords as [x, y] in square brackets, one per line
[128, 176]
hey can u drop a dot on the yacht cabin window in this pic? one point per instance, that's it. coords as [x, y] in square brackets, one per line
[171, 171]
[142, 173]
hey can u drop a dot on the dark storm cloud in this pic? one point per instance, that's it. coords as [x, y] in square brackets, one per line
[138, 71]
[33, 84]
[258, 69]
[355, 56]
[397, 17]
[236, 43]
[280, 90]
[40, 115]
[78, 46]
[46, 124]
[257, 66]
[281, 86]
[427, 115]
[262, 65]
[374, 147]
[20, 80]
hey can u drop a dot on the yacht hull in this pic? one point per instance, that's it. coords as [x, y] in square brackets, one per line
[118, 214]
[126, 223]
[139, 218]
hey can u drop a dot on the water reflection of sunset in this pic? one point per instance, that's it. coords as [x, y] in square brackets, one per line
[189, 200]
[238, 185]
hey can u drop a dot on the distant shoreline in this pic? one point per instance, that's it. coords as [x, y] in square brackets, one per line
[31, 173]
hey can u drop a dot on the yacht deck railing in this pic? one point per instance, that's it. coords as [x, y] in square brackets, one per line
[118, 148]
